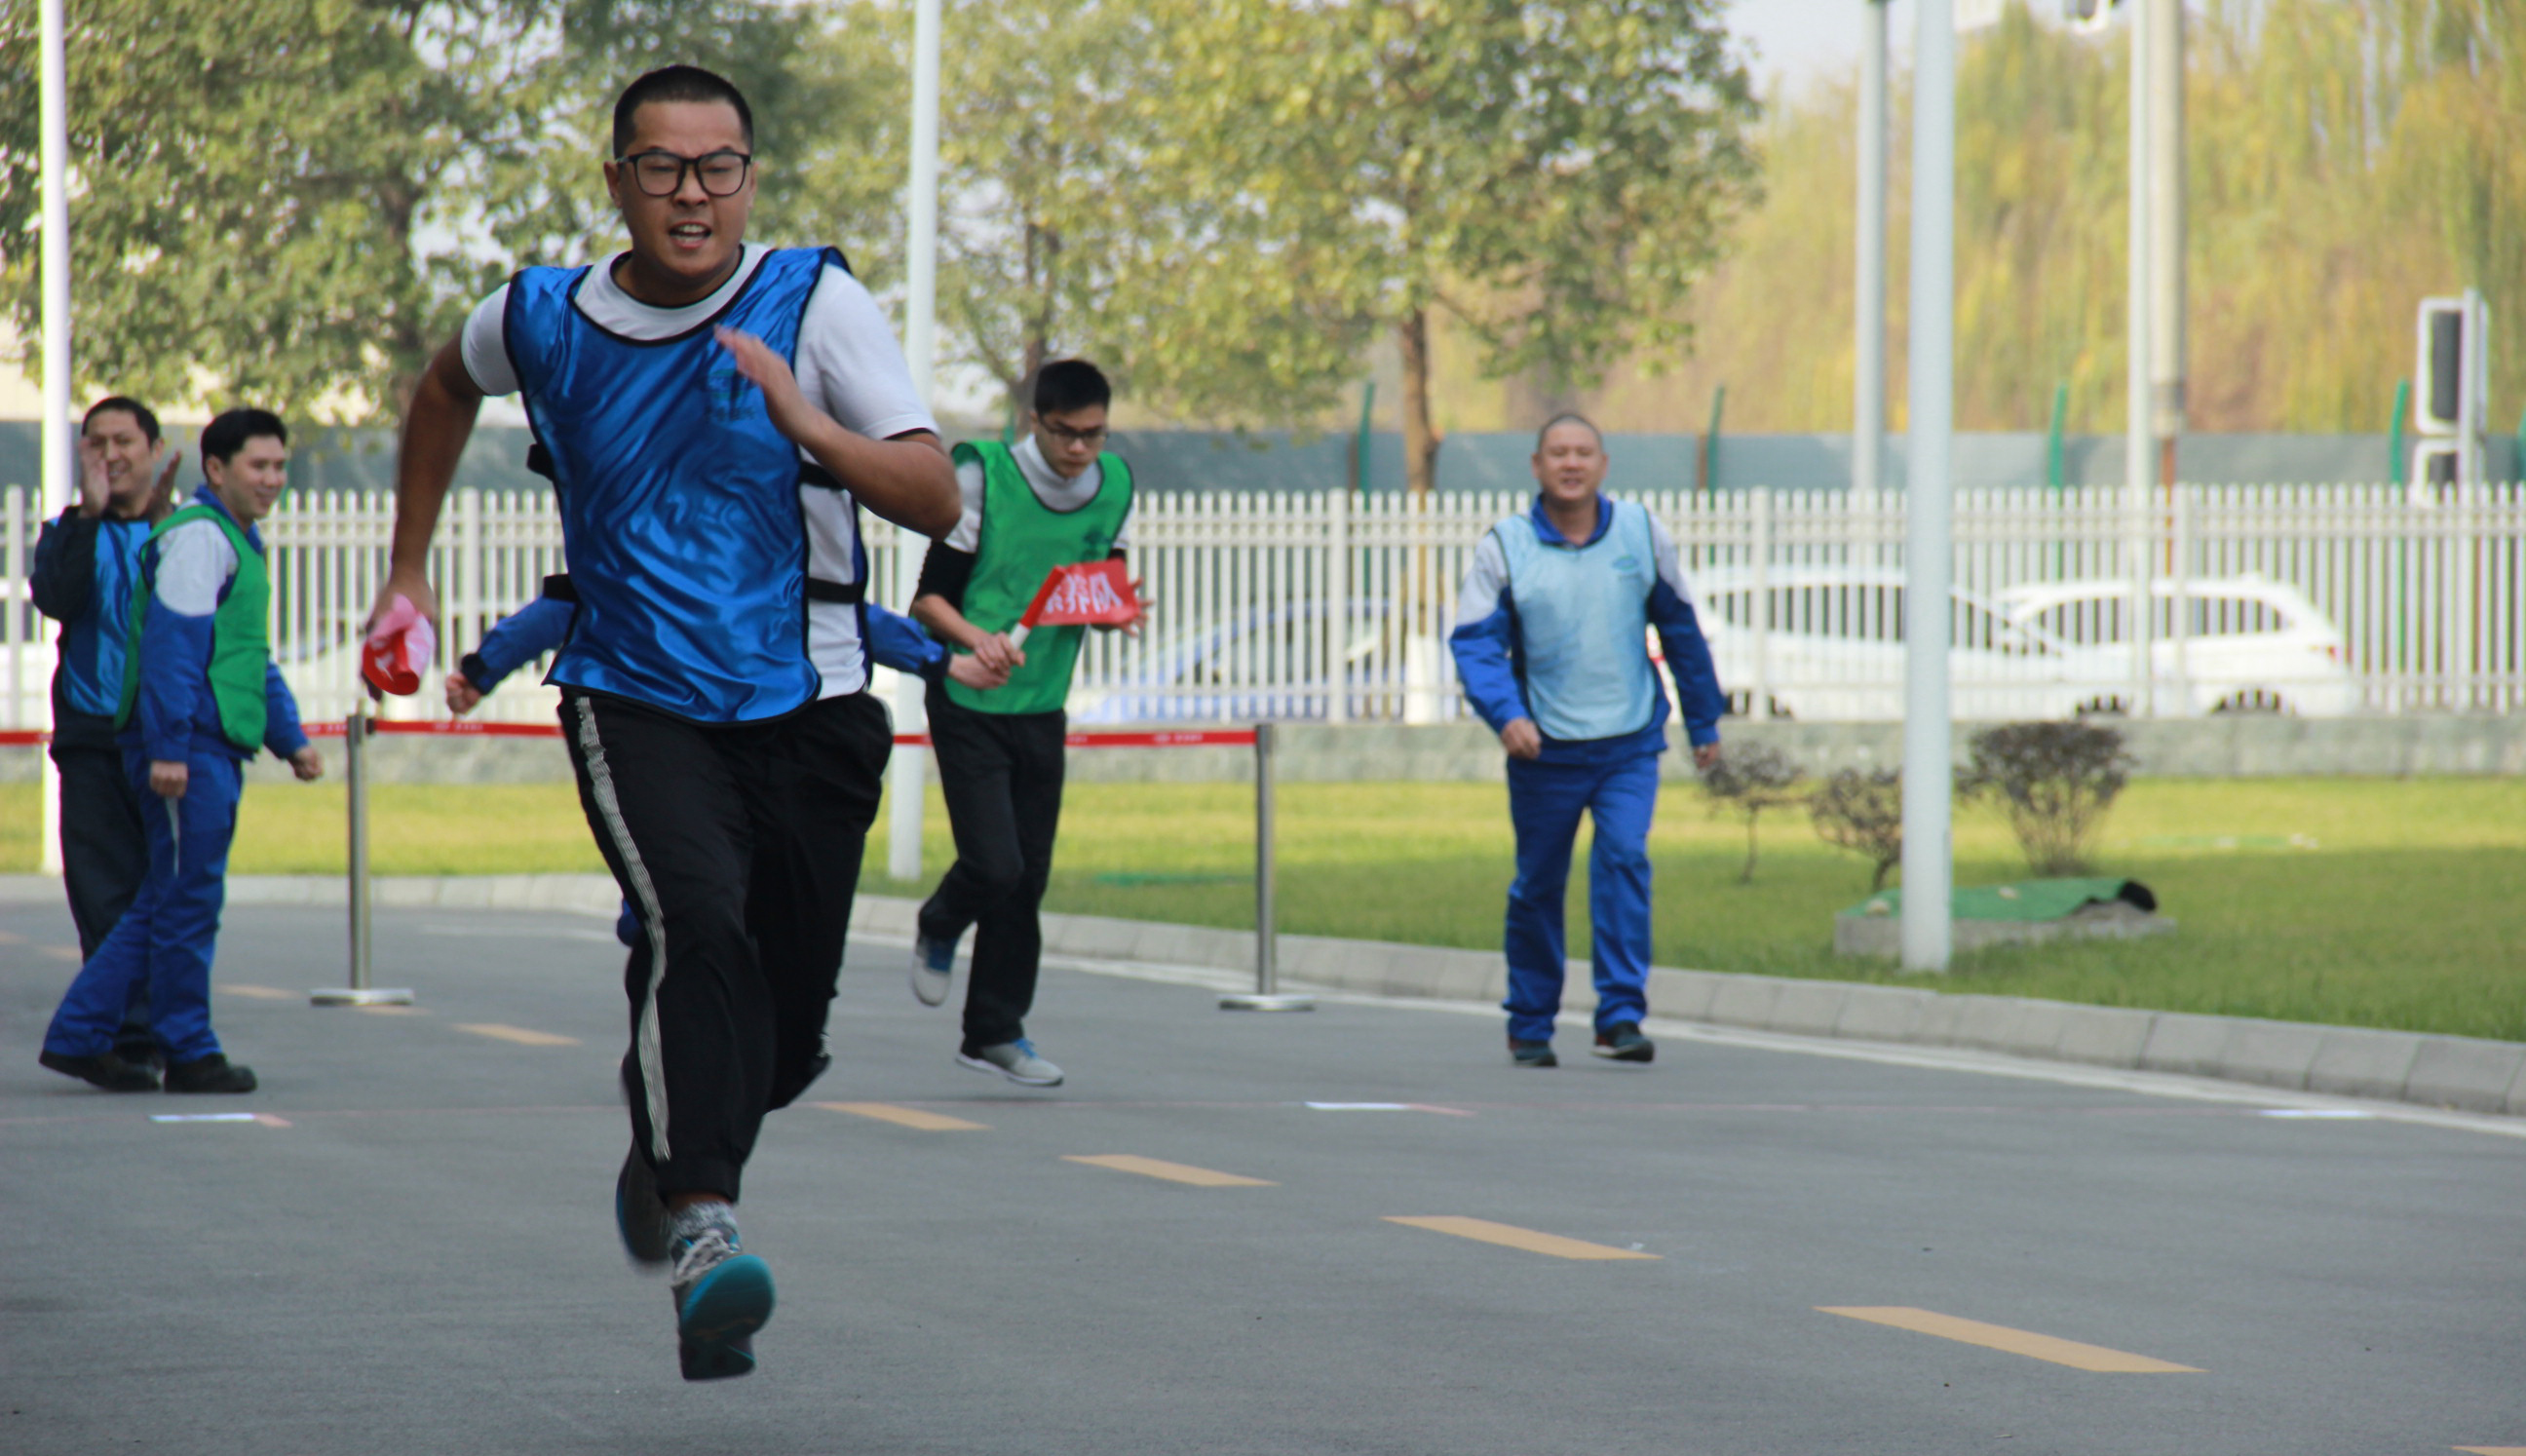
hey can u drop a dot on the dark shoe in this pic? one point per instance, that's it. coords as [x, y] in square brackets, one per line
[1624, 1043]
[1531, 1053]
[142, 1054]
[211, 1073]
[104, 1070]
[640, 1215]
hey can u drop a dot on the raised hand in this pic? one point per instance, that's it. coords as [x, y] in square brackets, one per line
[94, 488]
[168, 458]
[771, 373]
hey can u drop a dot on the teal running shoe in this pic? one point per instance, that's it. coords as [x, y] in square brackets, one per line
[721, 1297]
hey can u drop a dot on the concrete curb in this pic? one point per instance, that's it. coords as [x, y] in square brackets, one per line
[2464, 1073]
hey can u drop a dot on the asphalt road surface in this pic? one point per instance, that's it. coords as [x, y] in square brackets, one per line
[1746, 1248]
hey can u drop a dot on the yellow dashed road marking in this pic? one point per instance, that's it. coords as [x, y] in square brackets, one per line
[258, 992]
[12, 938]
[70, 953]
[1176, 1173]
[1509, 1236]
[519, 1034]
[2034, 1347]
[905, 1117]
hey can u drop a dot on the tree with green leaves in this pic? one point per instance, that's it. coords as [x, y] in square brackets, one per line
[1051, 239]
[2345, 159]
[290, 200]
[1042, 144]
[257, 186]
[1553, 176]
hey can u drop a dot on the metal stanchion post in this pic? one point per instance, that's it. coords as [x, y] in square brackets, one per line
[355, 783]
[1267, 994]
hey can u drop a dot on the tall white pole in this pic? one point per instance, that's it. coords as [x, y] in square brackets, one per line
[2140, 464]
[1928, 499]
[1868, 401]
[2166, 227]
[921, 352]
[58, 488]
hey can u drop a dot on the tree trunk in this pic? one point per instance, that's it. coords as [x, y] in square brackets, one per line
[1419, 441]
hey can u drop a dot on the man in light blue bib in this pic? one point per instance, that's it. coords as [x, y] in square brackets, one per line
[1551, 644]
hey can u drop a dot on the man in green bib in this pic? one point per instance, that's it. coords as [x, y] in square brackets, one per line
[1057, 498]
[200, 696]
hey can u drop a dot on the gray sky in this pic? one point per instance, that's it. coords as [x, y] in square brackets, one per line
[1796, 41]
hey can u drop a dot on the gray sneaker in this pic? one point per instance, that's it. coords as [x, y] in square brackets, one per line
[933, 967]
[1014, 1060]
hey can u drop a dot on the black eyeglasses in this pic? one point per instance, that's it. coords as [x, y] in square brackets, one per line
[662, 173]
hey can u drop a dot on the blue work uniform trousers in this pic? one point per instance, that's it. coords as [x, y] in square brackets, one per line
[105, 855]
[166, 939]
[1545, 802]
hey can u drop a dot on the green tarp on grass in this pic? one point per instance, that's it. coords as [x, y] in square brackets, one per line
[2027, 900]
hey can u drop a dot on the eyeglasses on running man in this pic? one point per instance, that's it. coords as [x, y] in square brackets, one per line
[660, 173]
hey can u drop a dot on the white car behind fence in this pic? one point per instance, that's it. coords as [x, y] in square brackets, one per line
[2219, 644]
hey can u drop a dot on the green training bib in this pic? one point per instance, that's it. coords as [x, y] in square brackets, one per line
[240, 633]
[1021, 541]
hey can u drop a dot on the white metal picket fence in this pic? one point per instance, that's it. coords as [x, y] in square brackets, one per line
[1333, 607]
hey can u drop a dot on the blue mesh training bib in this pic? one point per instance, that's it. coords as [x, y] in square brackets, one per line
[679, 500]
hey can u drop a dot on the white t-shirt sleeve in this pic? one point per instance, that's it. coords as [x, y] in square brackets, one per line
[849, 363]
[484, 345]
[968, 535]
[194, 562]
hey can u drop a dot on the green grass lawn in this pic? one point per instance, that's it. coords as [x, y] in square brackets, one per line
[2374, 902]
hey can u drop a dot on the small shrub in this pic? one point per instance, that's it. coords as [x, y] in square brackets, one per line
[1746, 781]
[1861, 810]
[2054, 780]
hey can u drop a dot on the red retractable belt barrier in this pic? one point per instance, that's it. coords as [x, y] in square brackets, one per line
[442, 728]
[464, 728]
[1167, 738]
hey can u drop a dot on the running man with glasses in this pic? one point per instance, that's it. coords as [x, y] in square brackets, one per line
[1058, 498]
[715, 413]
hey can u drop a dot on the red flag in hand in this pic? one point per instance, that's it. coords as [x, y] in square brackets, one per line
[1090, 593]
[399, 649]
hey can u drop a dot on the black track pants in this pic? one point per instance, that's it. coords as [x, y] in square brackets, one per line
[738, 848]
[105, 855]
[1001, 775]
